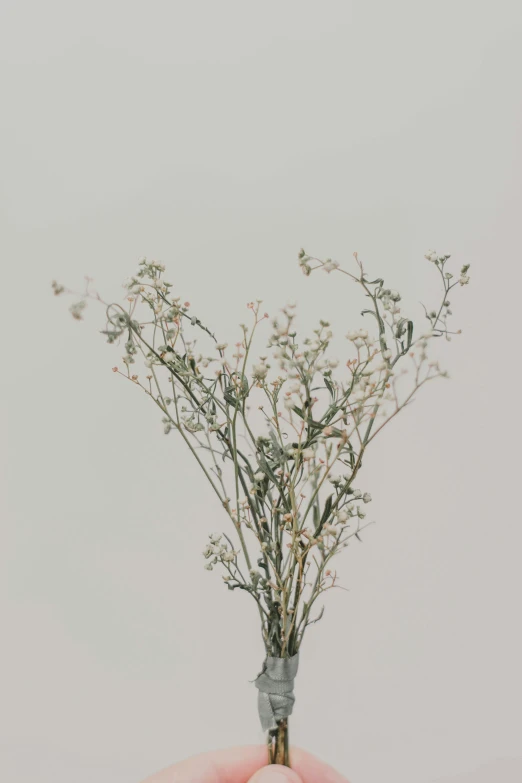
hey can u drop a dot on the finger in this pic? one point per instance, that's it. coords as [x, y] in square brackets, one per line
[274, 773]
[234, 765]
[311, 770]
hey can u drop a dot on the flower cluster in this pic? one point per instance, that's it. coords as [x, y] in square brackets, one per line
[217, 552]
[280, 436]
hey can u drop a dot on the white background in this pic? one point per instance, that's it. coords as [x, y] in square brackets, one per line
[219, 138]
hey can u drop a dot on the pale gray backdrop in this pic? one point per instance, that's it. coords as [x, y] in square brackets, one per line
[219, 137]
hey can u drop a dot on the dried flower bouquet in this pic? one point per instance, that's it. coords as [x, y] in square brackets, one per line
[281, 439]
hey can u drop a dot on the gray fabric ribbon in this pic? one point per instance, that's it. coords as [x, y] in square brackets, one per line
[275, 684]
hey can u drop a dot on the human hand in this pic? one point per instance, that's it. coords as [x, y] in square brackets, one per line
[247, 765]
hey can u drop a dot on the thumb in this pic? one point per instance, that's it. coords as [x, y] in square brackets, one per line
[275, 773]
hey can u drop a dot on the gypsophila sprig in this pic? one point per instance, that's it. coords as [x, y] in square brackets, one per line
[280, 434]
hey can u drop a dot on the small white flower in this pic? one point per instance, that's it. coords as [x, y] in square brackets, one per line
[330, 265]
[431, 255]
[357, 493]
[308, 454]
[259, 371]
[76, 309]
[464, 279]
[221, 346]
[228, 557]
[342, 517]
[331, 530]
[259, 476]
[57, 288]
[366, 497]
[208, 567]
[215, 538]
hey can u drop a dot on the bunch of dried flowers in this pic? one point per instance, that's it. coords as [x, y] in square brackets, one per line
[280, 437]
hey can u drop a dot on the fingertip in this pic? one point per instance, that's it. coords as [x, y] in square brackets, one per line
[275, 773]
[312, 770]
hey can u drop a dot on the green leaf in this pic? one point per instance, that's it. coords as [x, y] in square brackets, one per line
[325, 515]
[276, 448]
[329, 386]
[316, 425]
[233, 395]
[267, 469]
[410, 335]
[377, 318]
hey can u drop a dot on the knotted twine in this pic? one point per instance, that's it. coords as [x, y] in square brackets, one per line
[275, 684]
